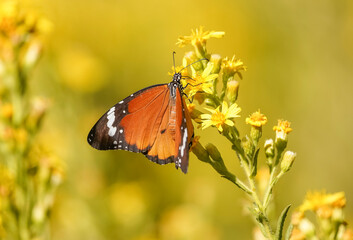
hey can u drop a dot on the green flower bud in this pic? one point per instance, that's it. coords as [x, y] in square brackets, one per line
[269, 152]
[248, 146]
[200, 152]
[287, 161]
[214, 153]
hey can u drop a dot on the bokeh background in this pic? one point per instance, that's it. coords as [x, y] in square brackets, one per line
[299, 55]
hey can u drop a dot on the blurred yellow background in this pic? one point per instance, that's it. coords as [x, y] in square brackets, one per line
[299, 56]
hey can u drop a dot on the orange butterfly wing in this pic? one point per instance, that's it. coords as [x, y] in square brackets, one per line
[153, 121]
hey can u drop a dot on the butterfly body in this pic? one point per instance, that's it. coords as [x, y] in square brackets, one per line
[153, 121]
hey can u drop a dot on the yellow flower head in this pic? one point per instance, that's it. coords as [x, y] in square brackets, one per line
[323, 204]
[232, 66]
[198, 37]
[16, 24]
[283, 126]
[256, 119]
[181, 69]
[219, 118]
[201, 82]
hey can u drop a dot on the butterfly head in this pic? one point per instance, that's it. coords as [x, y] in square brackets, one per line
[177, 77]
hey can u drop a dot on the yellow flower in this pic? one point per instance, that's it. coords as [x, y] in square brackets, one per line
[220, 118]
[323, 204]
[201, 82]
[181, 69]
[297, 234]
[256, 119]
[198, 37]
[283, 126]
[232, 66]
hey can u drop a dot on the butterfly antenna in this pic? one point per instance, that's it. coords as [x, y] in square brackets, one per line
[193, 63]
[174, 61]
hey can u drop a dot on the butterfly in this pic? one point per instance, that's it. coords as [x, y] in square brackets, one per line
[153, 121]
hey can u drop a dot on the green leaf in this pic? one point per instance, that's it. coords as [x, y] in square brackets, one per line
[289, 231]
[280, 223]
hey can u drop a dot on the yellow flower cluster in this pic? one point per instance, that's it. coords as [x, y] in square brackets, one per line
[19, 34]
[329, 210]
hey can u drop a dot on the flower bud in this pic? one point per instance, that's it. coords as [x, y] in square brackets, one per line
[232, 90]
[269, 152]
[214, 153]
[248, 146]
[282, 130]
[287, 161]
[269, 149]
[200, 152]
[216, 60]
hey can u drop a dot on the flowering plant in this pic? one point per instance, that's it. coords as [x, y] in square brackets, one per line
[29, 174]
[215, 86]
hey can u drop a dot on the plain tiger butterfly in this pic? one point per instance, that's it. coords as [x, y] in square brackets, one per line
[153, 121]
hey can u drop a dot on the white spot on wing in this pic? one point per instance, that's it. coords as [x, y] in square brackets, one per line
[115, 142]
[122, 101]
[184, 142]
[111, 119]
[121, 130]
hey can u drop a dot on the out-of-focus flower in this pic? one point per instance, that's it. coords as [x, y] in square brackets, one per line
[81, 71]
[128, 203]
[323, 204]
[257, 234]
[19, 26]
[219, 118]
[186, 222]
[38, 109]
[6, 110]
[199, 36]
[347, 235]
[6, 183]
[262, 177]
[297, 235]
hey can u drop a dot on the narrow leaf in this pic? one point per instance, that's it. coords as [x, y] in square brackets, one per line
[254, 165]
[289, 232]
[280, 223]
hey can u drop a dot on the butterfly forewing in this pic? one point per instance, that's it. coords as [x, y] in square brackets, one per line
[108, 133]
